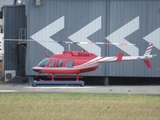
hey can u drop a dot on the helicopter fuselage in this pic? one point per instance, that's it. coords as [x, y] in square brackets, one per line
[69, 62]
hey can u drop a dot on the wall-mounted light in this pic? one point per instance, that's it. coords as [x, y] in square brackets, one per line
[19, 2]
[37, 2]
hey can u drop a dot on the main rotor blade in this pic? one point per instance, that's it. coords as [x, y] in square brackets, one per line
[70, 42]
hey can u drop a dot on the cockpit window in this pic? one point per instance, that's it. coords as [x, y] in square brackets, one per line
[43, 63]
[69, 63]
[51, 64]
[59, 63]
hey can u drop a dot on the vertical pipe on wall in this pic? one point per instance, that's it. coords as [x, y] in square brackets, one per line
[106, 81]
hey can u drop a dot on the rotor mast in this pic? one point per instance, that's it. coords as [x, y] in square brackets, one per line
[69, 46]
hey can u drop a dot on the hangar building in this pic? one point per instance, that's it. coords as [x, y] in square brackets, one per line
[133, 21]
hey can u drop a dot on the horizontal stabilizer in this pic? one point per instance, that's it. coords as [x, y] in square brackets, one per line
[148, 63]
[119, 56]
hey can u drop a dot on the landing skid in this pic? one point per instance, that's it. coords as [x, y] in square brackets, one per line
[35, 83]
[53, 82]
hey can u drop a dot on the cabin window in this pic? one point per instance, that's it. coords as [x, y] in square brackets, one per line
[69, 63]
[43, 63]
[59, 63]
[51, 64]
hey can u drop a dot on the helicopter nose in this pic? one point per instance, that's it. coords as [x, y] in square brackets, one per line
[36, 69]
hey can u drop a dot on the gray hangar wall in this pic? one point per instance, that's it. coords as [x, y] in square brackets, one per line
[14, 53]
[133, 21]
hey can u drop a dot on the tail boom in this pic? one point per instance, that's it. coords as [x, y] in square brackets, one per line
[144, 58]
[121, 57]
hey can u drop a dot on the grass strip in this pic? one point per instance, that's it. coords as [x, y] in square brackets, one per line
[71, 106]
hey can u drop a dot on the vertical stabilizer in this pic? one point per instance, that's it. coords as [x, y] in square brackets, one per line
[149, 49]
[148, 52]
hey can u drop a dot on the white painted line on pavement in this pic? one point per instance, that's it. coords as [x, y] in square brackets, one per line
[2, 91]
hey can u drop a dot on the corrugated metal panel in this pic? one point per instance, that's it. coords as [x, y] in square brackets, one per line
[143, 18]
[14, 19]
[82, 20]
[61, 20]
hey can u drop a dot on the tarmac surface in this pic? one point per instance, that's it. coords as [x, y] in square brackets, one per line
[27, 88]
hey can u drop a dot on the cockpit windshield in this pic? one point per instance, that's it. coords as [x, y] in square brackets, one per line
[43, 63]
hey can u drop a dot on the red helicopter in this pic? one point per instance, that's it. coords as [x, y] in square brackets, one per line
[77, 62]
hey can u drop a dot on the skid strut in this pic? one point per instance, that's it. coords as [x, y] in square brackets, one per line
[77, 77]
[52, 77]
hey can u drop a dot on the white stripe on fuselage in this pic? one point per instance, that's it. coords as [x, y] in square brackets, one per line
[92, 63]
[93, 60]
[69, 68]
